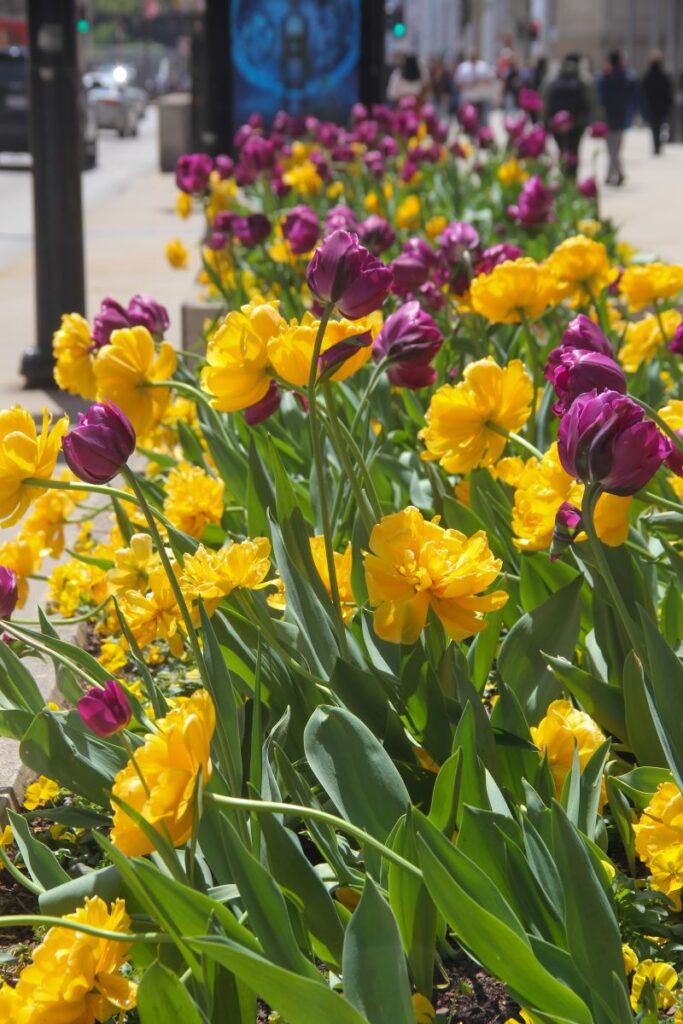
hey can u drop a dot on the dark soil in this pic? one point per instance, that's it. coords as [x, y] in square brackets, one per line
[15, 943]
[470, 996]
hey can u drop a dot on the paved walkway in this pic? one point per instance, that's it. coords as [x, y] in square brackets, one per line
[647, 208]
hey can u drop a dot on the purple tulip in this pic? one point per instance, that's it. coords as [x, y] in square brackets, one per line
[301, 228]
[265, 407]
[9, 592]
[485, 137]
[431, 296]
[494, 255]
[568, 525]
[675, 459]
[458, 238]
[599, 130]
[344, 273]
[408, 335]
[105, 710]
[251, 230]
[257, 155]
[101, 443]
[468, 118]
[562, 122]
[412, 376]
[412, 268]
[389, 146]
[605, 439]
[111, 317]
[588, 187]
[332, 358]
[676, 343]
[144, 311]
[376, 234]
[192, 172]
[340, 217]
[534, 204]
[225, 165]
[515, 123]
[573, 371]
[358, 112]
[529, 100]
[582, 332]
[532, 142]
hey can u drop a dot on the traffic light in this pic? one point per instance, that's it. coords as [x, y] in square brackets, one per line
[395, 20]
[83, 19]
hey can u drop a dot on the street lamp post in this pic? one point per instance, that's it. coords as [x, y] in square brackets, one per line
[56, 145]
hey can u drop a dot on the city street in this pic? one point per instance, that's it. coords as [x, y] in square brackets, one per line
[129, 215]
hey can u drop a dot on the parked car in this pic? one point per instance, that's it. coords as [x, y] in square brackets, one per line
[118, 102]
[14, 108]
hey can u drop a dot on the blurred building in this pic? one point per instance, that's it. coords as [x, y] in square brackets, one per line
[553, 27]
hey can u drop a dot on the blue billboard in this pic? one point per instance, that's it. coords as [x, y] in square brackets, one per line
[296, 55]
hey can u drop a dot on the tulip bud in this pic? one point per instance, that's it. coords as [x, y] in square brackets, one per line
[582, 332]
[588, 188]
[251, 230]
[411, 269]
[111, 317]
[9, 592]
[529, 100]
[144, 311]
[676, 343]
[343, 272]
[192, 172]
[408, 335]
[376, 234]
[605, 439]
[573, 371]
[105, 710]
[599, 130]
[562, 122]
[261, 410]
[331, 359]
[566, 530]
[100, 445]
[301, 229]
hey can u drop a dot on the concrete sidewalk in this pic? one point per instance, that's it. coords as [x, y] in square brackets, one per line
[647, 208]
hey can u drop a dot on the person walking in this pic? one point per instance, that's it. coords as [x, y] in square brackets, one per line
[407, 80]
[617, 90]
[569, 104]
[657, 92]
[475, 81]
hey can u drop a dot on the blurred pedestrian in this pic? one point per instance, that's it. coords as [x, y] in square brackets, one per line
[618, 93]
[440, 79]
[657, 92]
[476, 83]
[569, 105]
[406, 80]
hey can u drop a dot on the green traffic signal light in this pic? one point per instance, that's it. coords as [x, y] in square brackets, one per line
[83, 25]
[399, 29]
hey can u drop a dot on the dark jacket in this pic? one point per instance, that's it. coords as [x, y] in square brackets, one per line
[657, 92]
[618, 92]
[569, 92]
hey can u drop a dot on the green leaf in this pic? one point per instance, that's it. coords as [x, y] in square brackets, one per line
[486, 926]
[315, 632]
[299, 880]
[593, 935]
[413, 909]
[482, 651]
[64, 899]
[17, 683]
[266, 907]
[443, 810]
[641, 730]
[640, 783]
[61, 747]
[40, 861]
[224, 696]
[664, 685]
[551, 628]
[374, 967]
[355, 770]
[163, 997]
[298, 1000]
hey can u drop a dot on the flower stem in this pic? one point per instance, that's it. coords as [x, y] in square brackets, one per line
[316, 444]
[334, 429]
[172, 579]
[535, 368]
[37, 920]
[315, 814]
[590, 498]
[661, 423]
[516, 438]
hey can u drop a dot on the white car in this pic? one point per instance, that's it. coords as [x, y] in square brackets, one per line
[118, 102]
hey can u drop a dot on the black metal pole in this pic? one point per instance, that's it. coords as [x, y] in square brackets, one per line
[56, 145]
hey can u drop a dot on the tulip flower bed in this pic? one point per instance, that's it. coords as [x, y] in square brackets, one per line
[377, 719]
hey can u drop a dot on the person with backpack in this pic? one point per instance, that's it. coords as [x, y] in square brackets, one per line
[569, 105]
[657, 93]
